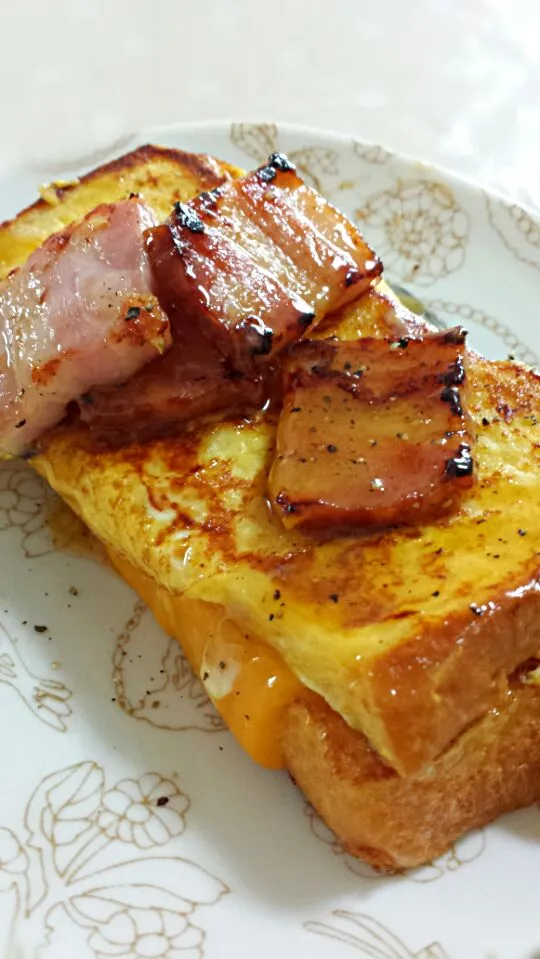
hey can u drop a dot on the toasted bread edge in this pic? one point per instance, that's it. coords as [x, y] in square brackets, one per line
[396, 822]
[200, 166]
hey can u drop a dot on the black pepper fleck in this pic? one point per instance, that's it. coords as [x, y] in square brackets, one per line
[267, 173]
[162, 801]
[334, 597]
[41, 629]
[188, 218]
[331, 448]
[461, 464]
[456, 336]
[281, 162]
[306, 319]
[450, 395]
[287, 507]
[277, 594]
[264, 343]
[133, 313]
[455, 374]
[209, 198]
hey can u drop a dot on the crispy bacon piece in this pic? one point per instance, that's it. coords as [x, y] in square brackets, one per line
[241, 272]
[254, 262]
[190, 381]
[314, 246]
[80, 312]
[372, 433]
[209, 283]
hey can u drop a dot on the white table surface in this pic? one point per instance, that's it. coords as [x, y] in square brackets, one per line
[455, 82]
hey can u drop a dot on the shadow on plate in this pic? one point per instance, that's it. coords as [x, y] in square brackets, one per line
[524, 824]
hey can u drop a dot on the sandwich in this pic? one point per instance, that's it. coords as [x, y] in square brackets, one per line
[333, 507]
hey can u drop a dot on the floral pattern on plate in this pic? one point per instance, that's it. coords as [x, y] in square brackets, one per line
[370, 938]
[157, 695]
[424, 229]
[518, 230]
[259, 140]
[42, 519]
[47, 698]
[76, 858]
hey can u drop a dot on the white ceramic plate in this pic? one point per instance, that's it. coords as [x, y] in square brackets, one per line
[131, 825]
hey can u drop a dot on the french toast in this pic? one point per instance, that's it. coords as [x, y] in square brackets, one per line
[393, 647]
[192, 513]
[162, 175]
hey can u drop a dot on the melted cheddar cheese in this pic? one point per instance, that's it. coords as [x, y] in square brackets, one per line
[246, 679]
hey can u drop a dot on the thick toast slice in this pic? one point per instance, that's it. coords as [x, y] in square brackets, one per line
[388, 651]
[396, 822]
[162, 175]
[409, 634]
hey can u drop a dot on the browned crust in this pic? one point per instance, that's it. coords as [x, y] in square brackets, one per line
[201, 166]
[429, 689]
[394, 822]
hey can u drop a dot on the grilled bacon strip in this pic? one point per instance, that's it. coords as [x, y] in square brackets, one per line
[192, 380]
[256, 261]
[372, 433]
[80, 312]
[242, 272]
